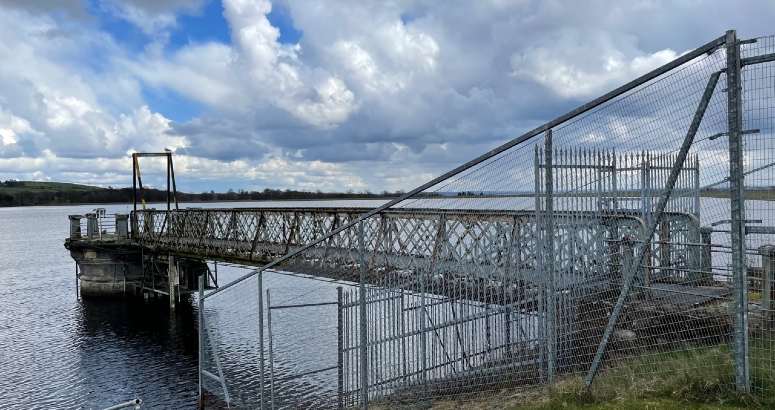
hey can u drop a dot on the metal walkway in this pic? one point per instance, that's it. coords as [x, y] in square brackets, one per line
[473, 247]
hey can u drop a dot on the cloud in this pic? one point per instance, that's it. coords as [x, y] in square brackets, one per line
[556, 66]
[152, 17]
[375, 95]
[72, 7]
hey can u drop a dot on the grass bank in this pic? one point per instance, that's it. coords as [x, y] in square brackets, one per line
[696, 378]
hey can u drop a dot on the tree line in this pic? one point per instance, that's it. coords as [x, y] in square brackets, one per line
[90, 195]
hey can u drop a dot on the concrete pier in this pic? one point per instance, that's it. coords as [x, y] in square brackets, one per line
[111, 265]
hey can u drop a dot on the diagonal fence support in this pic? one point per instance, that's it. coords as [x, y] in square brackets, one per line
[646, 242]
[737, 197]
[206, 333]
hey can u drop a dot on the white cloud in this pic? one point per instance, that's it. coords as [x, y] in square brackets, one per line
[575, 67]
[311, 94]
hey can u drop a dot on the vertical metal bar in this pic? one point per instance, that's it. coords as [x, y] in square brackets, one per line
[539, 265]
[172, 280]
[77, 290]
[599, 188]
[339, 348]
[768, 270]
[643, 189]
[168, 182]
[174, 186]
[139, 181]
[134, 182]
[261, 364]
[697, 187]
[614, 183]
[646, 242]
[403, 337]
[487, 333]
[649, 194]
[363, 320]
[271, 350]
[507, 320]
[737, 196]
[551, 327]
[201, 302]
[423, 337]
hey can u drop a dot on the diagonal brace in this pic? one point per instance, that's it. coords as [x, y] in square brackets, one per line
[674, 172]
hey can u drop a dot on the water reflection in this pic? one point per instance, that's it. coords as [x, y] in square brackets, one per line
[136, 348]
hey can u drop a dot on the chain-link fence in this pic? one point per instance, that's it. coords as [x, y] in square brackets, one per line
[625, 244]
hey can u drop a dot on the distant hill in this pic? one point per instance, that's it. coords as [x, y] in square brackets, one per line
[20, 193]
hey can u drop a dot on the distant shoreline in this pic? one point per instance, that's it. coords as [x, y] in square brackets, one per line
[225, 201]
[32, 193]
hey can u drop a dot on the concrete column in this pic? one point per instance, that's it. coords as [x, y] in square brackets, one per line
[92, 231]
[122, 225]
[75, 226]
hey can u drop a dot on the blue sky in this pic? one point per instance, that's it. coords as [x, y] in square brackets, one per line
[316, 94]
[207, 24]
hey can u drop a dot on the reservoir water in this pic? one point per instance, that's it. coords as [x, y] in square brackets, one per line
[59, 352]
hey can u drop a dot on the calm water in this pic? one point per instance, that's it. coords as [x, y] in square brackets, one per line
[60, 352]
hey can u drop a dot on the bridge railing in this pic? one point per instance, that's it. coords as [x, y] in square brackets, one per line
[498, 244]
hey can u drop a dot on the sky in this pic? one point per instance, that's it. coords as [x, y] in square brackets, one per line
[316, 94]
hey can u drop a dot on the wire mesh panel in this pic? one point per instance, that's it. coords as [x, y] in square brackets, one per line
[613, 248]
[758, 104]
[231, 346]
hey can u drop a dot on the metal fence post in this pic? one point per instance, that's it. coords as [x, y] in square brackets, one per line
[737, 198]
[271, 350]
[423, 336]
[706, 264]
[549, 271]
[261, 364]
[339, 348]
[201, 338]
[364, 347]
[768, 276]
[539, 265]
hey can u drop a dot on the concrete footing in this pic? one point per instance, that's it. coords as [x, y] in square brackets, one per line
[121, 269]
[107, 270]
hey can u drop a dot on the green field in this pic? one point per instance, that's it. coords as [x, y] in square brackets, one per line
[22, 193]
[44, 187]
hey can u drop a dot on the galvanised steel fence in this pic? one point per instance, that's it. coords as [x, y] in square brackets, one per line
[626, 242]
